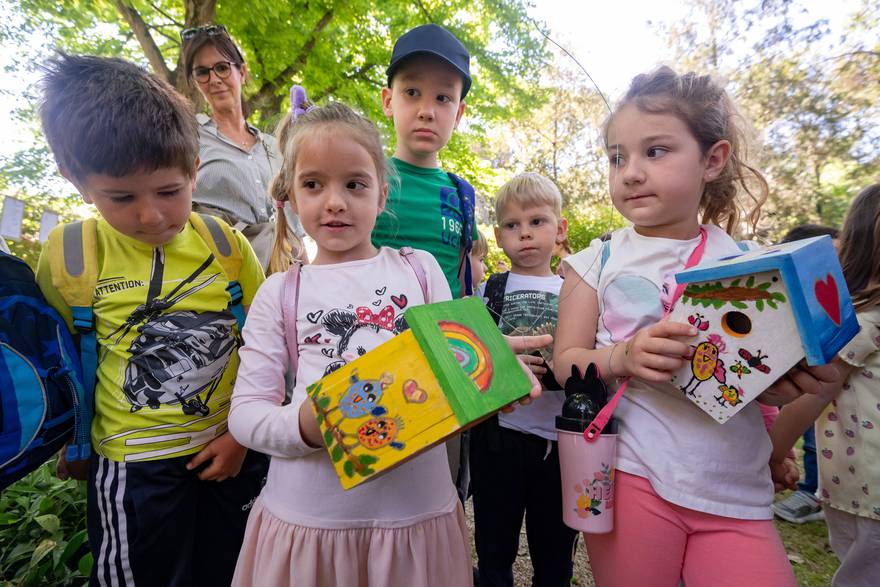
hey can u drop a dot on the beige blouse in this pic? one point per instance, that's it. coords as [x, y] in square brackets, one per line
[848, 431]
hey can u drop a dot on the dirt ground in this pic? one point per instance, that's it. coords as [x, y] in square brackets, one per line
[522, 568]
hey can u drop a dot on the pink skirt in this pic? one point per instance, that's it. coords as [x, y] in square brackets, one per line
[434, 552]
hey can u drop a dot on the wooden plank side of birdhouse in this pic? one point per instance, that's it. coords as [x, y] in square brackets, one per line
[822, 305]
[381, 410]
[470, 358]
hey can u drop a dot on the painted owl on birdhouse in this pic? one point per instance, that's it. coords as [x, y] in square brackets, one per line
[758, 313]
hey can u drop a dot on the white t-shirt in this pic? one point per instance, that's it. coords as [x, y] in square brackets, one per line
[689, 458]
[302, 487]
[531, 305]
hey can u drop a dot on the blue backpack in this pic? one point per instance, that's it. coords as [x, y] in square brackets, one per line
[41, 394]
[468, 199]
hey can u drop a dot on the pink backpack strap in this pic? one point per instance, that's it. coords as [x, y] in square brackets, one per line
[595, 428]
[289, 302]
[410, 255]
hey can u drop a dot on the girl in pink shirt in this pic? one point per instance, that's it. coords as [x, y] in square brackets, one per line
[405, 527]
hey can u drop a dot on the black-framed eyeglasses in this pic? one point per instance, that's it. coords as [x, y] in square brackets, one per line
[222, 69]
[206, 29]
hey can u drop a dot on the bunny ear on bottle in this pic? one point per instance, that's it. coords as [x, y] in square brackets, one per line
[575, 383]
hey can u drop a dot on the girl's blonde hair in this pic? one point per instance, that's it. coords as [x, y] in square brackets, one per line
[711, 115]
[481, 246]
[860, 248]
[291, 132]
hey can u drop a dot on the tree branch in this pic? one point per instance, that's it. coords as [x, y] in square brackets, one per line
[196, 13]
[358, 73]
[199, 12]
[166, 15]
[424, 11]
[852, 54]
[171, 38]
[148, 44]
[267, 92]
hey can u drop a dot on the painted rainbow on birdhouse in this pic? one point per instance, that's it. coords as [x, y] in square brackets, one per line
[471, 354]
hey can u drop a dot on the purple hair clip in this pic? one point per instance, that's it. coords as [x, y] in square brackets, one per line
[299, 103]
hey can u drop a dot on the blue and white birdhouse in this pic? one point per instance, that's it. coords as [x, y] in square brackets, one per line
[758, 313]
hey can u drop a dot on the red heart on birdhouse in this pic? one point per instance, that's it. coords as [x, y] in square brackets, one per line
[826, 295]
[413, 393]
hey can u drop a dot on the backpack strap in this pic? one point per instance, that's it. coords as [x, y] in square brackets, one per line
[495, 288]
[604, 254]
[409, 255]
[220, 239]
[290, 301]
[467, 198]
[73, 261]
[289, 304]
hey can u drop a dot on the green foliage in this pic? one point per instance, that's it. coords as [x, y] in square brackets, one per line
[813, 100]
[336, 50]
[29, 175]
[591, 222]
[42, 531]
[560, 138]
[585, 224]
[29, 247]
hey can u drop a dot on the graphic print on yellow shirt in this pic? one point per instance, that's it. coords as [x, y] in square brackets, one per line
[178, 357]
[167, 345]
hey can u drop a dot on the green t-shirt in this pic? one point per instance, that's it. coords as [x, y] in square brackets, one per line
[424, 212]
[164, 377]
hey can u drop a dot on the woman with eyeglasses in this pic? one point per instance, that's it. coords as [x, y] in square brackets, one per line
[236, 160]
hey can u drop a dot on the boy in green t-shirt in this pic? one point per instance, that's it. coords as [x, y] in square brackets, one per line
[428, 79]
[169, 487]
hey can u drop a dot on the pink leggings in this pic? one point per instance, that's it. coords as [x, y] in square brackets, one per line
[657, 543]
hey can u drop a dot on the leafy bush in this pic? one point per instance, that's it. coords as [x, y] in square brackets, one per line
[43, 531]
[593, 222]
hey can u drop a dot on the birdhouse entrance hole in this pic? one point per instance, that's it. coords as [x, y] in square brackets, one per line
[736, 324]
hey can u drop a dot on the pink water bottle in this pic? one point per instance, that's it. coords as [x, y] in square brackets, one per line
[587, 468]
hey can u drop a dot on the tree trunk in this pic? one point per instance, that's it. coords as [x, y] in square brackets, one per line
[196, 13]
[267, 97]
[142, 33]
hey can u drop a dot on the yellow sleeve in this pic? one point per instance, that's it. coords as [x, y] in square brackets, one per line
[44, 280]
[251, 275]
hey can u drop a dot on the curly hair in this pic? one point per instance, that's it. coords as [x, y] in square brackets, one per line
[702, 103]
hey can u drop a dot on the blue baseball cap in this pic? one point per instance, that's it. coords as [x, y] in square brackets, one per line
[431, 39]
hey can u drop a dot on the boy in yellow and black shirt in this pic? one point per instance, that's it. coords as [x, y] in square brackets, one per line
[169, 487]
